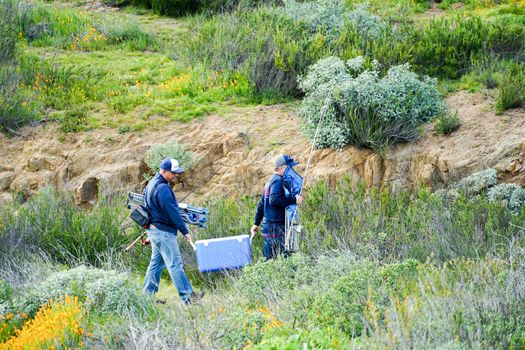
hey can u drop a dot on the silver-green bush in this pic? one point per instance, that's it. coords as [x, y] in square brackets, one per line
[397, 102]
[511, 195]
[477, 182]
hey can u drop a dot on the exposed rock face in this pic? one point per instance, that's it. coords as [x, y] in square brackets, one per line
[235, 155]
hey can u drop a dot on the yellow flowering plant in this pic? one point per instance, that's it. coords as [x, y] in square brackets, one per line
[57, 325]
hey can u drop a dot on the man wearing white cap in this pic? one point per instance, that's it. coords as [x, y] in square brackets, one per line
[272, 206]
[162, 233]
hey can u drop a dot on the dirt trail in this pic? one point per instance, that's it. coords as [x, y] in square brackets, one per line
[235, 153]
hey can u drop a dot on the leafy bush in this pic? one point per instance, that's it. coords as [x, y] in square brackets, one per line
[320, 14]
[170, 149]
[331, 292]
[511, 195]
[101, 291]
[512, 89]
[295, 339]
[447, 124]
[363, 108]
[478, 182]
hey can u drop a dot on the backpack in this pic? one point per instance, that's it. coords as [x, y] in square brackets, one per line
[141, 213]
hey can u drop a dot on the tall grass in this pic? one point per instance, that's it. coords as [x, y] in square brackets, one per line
[51, 224]
[16, 107]
[72, 29]
[379, 225]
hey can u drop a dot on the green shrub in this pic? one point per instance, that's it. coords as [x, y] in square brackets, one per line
[294, 339]
[444, 47]
[465, 301]
[343, 305]
[511, 195]
[512, 89]
[74, 120]
[487, 70]
[380, 110]
[331, 292]
[446, 124]
[326, 14]
[170, 149]
[477, 183]
[103, 292]
[50, 223]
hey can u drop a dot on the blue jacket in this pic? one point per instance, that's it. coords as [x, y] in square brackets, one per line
[273, 202]
[163, 206]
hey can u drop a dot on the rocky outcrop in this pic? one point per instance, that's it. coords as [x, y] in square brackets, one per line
[235, 153]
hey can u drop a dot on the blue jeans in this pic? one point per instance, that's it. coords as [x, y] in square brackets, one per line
[165, 253]
[273, 240]
[273, 247]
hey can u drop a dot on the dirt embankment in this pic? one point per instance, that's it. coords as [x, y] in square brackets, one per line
[236, 150]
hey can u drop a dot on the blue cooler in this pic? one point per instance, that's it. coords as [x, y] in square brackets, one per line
[224, 253]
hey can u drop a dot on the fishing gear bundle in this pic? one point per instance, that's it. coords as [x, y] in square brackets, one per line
[190, 215]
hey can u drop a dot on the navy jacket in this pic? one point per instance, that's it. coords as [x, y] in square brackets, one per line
[273, 202]
[163, 206]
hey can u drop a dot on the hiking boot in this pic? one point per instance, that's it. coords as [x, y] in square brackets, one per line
[194, 296]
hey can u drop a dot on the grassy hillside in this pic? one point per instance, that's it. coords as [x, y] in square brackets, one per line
[375, 270]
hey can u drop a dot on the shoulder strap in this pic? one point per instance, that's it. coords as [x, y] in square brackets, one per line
[149, 195]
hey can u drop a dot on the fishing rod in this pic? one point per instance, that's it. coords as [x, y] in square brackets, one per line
[289, 225]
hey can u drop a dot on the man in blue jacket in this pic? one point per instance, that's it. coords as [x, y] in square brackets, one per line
[272, 206]
[162, 233]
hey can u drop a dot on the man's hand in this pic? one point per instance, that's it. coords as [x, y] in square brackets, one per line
[254, 229]
[298, 199]
[188, 238]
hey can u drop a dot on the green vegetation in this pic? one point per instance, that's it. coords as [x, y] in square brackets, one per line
[172, 149]
[374, 269]
[348, 104]
[512, 91]
[289, 39]
[16, 106]
[446, 124]
[250, 52]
